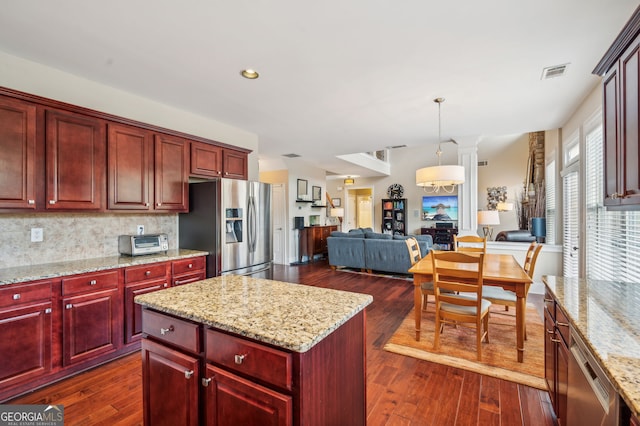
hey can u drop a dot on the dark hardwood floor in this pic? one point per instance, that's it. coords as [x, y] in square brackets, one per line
[400, 390]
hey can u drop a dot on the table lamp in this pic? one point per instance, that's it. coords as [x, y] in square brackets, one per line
[486, 218]
[337, 212]
[539, 228]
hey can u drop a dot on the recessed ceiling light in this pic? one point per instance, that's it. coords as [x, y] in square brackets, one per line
[250, 74]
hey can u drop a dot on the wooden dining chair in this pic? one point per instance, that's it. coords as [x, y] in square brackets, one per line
[414, 256]
[459, 309]
[500, 296]
[470, 243]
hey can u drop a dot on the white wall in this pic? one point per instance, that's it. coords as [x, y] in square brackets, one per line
[30, 77]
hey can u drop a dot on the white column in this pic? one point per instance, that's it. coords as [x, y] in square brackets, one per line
[468, 191]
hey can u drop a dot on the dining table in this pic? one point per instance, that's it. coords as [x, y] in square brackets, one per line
[501, 270]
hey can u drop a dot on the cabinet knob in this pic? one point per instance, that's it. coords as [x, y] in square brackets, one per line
[52, 201]
[31, 201]
[68, 306]
[190, 266]
[146, 204]
[188, 374]
[158, 204]
[205, 382]
[47, 311]
[92, 282]
[164, 331]
[165, 285]
[147, 273]
[239, 358]
[16, 296]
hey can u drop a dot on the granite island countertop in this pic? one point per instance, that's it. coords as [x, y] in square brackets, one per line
[58, 269]
[605, 314]
[287, 315]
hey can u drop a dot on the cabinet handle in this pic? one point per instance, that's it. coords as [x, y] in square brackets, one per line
[31, 201]
[188, 374]
[555, 340]
[47, 311]
[52, 201]
[547, 300]
[550, 332]
[16, 296]
[205, 382]
[92, 282]
[68, 306]
[164, 331]
[562, 324]
[239, 359]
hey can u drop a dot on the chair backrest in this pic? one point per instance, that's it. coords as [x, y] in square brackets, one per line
[470, 243]
[531, 258]
[457, 272]
[414, 250]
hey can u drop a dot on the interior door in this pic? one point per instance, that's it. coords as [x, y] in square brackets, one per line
[279, 220]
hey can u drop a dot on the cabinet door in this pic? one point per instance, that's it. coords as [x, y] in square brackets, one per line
[231, 400]
[133, 311]
[91, 325]
[17, 154]
[550, 357]
[562, 382]
[171, 178]
[170, 386]
[206, 160]
[25, 343]
[629, 97]
[130, 168]
[75, 161]
[234, 164]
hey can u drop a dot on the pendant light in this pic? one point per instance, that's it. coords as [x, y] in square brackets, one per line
[434, 178]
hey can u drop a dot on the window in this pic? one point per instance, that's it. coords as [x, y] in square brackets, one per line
[612, 245]
[571, 208]
[550, 189]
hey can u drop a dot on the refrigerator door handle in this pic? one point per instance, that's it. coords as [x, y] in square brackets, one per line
[251, 226]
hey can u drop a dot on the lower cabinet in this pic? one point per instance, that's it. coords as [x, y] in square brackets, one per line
[186, 271]
[26, 332]
[556, 348]
[91, 316]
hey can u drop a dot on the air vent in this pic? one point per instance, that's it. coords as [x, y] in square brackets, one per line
[483, 163]
[396, 146]
[554, 71]
[291, 155]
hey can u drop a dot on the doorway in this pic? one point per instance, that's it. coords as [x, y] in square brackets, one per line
[359, 209]
[279, 216]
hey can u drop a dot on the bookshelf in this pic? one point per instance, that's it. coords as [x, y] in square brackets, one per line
[394, 216]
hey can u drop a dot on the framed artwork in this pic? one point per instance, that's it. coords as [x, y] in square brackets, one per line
[316, 193]
[302, 188]
[337, 202]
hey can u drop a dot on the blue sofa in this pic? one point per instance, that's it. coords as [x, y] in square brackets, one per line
[372, 251]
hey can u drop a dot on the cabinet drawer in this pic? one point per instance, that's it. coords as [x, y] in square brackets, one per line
[145, 272]
[171, 330]
[562, 323]
[92, 282]
[187, 265]
[25, 293]
[255, 360]
[188, 278]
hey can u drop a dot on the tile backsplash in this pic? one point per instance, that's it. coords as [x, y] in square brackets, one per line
[74, 236]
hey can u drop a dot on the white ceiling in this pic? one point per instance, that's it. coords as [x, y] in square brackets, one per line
[337, 77]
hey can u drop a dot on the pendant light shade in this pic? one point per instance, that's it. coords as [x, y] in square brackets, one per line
[434, 178]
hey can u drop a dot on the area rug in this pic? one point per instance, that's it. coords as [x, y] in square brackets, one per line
[458, 346]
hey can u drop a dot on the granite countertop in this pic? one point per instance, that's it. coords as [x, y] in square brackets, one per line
[605, 314]
[290, 316]
[58, 269]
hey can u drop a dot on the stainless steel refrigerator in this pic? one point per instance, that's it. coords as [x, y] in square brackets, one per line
[231, 219]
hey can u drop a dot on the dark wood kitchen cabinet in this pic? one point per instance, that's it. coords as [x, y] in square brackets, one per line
[171, 189]
[141, 280]
[556, 360]
[621, 112]
[210, 161]
[17, 154]
[26, 333]
[75, 161]
[185, 271]
[91, 316]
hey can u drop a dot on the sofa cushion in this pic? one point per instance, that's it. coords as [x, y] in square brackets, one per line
[378, 236]
[348, 252]
[347, 234]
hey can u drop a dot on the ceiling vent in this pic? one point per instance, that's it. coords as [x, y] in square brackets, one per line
[396, 146]
[291, 155]
[554, 71]
[483, 163]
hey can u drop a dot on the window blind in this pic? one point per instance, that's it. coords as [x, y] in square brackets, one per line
[612, 240]
[550, 189]
[570, 244]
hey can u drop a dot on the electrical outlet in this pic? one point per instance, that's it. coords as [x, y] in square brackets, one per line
[37, 235]
[140, 229]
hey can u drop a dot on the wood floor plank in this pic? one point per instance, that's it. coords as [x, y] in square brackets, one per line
[400, 390]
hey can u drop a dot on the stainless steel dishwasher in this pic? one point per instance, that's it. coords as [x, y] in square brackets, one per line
[591, 398]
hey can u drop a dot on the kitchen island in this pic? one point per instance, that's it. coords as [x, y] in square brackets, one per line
[605, 316]
[241, 350]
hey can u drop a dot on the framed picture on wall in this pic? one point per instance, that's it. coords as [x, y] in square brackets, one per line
[337, 202]
[316, 193]
[302, 188]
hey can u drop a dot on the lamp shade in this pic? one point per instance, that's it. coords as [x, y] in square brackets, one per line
[488, 217]
[538, 227]
[504, 207]
[336, 212]
[349, 181]
[440, 176]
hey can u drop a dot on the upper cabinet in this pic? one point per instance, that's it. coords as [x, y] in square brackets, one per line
[210, 161]
[621, 92]
[17, 154]
[75, 161]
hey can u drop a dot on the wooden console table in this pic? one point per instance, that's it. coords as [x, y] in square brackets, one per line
[313, 240]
